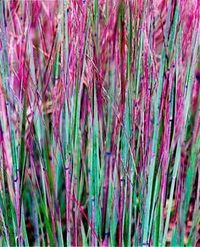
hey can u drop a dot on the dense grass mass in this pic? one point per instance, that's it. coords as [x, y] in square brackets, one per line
[99, 122]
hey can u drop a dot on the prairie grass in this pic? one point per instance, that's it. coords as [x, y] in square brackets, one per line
[99, 123]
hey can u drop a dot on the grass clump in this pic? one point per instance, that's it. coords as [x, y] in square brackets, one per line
[99, 123]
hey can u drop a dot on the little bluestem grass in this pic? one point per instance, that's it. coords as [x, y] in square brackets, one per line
[99, 123]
